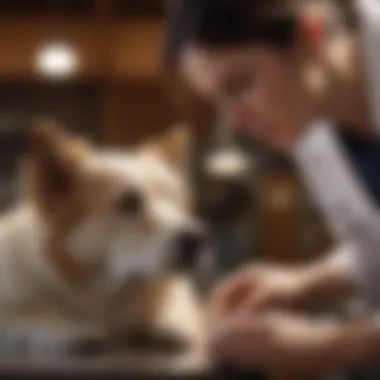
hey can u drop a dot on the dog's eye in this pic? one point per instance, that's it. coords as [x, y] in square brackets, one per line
[130, 203]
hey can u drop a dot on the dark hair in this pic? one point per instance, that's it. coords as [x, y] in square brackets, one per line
[223, 23]
[228, 23]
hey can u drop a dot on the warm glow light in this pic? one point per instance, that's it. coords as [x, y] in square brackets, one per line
[228, 163]
[57, 60]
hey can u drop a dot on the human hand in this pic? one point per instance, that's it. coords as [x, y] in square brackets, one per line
[281, 345]
[257, 288]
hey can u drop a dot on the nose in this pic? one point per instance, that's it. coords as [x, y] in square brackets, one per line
[188, 246]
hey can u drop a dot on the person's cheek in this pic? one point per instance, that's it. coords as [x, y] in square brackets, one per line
[243, 118]
[256, 115]
[282, 119]
[292, 126]
[238, 115]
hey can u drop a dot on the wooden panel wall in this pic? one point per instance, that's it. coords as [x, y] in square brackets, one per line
[289, 230]
[135, 111]
[76, 105]
[30, 34]
[122, 56]
[281, 217]
[132, 47]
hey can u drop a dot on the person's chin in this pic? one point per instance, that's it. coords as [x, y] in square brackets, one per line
[282, 145]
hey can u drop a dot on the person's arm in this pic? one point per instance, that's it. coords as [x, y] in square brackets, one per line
[357, 343]
[261, 287]
[331, 278]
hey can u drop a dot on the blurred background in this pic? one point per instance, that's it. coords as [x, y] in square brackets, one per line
[96, 65]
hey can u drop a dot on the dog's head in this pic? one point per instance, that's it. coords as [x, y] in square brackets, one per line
[112, 214]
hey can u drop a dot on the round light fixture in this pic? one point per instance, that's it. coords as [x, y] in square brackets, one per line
[228, 163]
[57, 60]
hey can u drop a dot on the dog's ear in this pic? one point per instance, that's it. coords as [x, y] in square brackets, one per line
[176, 145]
[54, 157]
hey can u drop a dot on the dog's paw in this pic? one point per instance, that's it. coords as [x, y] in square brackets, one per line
[28, 339]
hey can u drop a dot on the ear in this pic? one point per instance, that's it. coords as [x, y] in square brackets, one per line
[176, 146]
[53, 160]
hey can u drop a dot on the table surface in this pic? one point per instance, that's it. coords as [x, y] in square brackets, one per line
[128, 363]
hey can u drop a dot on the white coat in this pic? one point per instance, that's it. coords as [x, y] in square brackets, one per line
[353, 216]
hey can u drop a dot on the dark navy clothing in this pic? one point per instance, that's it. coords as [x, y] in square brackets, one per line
[364, 154]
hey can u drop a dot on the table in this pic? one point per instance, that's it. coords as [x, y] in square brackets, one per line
[128, 365]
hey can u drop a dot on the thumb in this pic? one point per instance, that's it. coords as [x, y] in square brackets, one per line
[268, 298]
[232, 296]
[260, 300]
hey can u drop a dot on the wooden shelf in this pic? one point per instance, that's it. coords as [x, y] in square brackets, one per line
[119, 8]
[133, 47]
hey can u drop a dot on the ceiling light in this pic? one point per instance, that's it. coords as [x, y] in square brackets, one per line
[57, 60]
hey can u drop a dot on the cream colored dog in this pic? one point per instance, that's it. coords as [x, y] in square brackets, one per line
[92, 246]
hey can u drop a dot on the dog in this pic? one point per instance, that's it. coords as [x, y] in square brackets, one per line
[99, 245]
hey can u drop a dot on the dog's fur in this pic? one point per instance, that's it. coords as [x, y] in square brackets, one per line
[72, 246]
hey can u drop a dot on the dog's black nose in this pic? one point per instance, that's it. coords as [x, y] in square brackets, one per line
[189, 244]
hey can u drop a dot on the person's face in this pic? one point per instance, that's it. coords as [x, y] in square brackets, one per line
[268, 93]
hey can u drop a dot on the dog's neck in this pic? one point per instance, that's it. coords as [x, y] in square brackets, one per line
[26, 275]
[20, 246]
